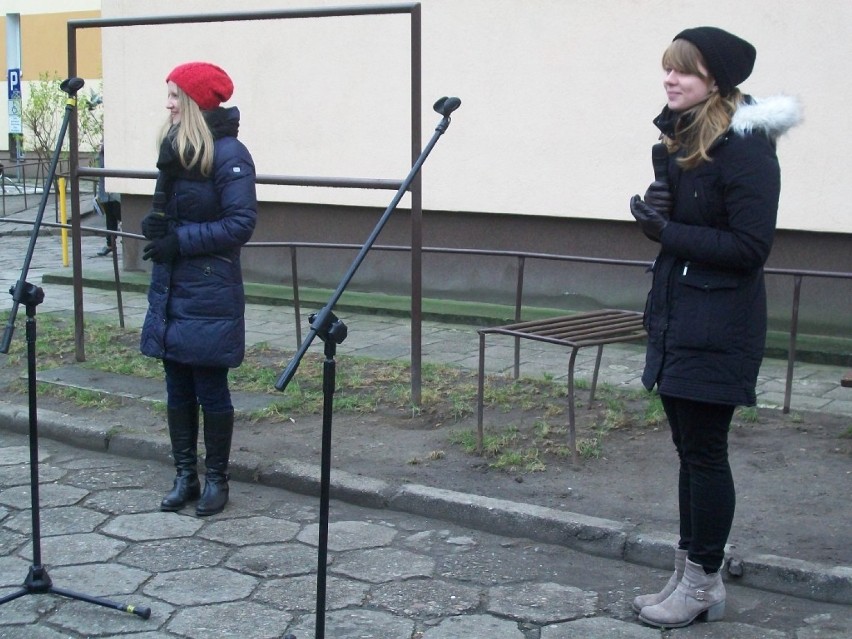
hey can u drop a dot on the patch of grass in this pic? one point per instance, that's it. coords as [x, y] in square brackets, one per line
[533, 408]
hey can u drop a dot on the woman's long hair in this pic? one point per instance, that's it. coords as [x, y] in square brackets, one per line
[191, 138]
[701, 125]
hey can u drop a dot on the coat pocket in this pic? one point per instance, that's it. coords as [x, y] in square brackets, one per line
[708, 310]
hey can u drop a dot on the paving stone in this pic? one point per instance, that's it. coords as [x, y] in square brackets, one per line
[250, 530]
[26, 609]
[349, 535]
[599, 628]
[300, 593]
[541, 603]
[58, 521]
[200, 586]
[246, 620]
[725, 630]
[85, 548]
[11, 540]
[470, 626]
[378, 565]
[50, 496]
[125, 501]
[164, 555]
[18, 456]
[17, 475]
[426, 598]
[13, 571]
[106, 479]
[102, 580]
[358, 624]
[277, 560]
[146, 526]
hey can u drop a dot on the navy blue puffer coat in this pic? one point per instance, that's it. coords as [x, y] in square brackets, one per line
[196, 304]
[706, 311]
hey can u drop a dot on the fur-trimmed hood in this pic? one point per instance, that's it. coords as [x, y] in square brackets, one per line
[772, 116]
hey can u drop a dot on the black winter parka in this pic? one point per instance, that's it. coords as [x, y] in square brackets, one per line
[706, 311]
[196, 304]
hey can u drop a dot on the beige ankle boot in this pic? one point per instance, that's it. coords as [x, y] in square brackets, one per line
[652, 600]
[697, 593]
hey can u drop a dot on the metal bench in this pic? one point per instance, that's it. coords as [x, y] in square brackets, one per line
[596, 328]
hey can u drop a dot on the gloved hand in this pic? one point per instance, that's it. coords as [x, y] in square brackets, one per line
[162, 250]
[651, 221]
[659, 198]
[155, 225]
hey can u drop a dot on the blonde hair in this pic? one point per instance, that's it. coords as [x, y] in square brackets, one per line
[191, 138]
[700, 126]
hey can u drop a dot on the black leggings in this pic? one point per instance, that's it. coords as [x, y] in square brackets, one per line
[706, 495]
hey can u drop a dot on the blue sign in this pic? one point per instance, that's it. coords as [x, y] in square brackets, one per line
[13, 76]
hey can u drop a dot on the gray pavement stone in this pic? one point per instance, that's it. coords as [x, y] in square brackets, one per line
[251, 530]
[349, 535]
[277, 560]
[299, 594]
[541, 603]
[360, 624]
[426, 598]
[106, 579]
[174, 554]
[50, 496]
[147, 526]
[379, 565]
[228, 620]
[474, 626]
[200, 586]
[598, 628]
[85, 548]
[59, 521]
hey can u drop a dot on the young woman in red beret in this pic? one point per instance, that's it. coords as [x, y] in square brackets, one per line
[205, 209]
[713, 214]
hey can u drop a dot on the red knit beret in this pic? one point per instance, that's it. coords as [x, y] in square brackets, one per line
[207, 84]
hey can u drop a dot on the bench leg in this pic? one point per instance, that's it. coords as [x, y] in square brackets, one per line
[595, 375]
[480, 396]
[572, 433]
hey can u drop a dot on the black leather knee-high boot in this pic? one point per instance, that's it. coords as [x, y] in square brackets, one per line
[183, 432]
[218, 429]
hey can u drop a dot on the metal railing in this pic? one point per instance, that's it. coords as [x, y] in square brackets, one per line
[520, 258]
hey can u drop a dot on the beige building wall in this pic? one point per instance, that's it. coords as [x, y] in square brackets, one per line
[558, 97]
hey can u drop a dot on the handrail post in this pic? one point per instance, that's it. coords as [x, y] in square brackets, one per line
[794, 330]
[297, 306]
[519, 300]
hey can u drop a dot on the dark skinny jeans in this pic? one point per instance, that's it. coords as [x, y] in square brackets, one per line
[706, 495]
[206, 386]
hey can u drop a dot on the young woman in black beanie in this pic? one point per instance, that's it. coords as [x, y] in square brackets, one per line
[205, 209]
[713, 214]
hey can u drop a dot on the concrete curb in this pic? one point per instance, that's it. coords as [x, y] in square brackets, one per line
[591, 535]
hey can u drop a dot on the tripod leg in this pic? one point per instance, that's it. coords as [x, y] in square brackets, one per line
[141, 611]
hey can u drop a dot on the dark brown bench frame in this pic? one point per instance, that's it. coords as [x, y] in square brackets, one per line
[595, 328]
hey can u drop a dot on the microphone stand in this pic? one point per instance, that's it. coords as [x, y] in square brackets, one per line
[37, 580]
[332, 331]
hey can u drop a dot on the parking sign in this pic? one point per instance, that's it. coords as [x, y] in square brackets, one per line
[13, 78]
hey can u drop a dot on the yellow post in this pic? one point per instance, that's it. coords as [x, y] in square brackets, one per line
[63, 218]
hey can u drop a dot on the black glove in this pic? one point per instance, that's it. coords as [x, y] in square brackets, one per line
[649, 219]
[659, 198]
[163, 250]
[155, 226]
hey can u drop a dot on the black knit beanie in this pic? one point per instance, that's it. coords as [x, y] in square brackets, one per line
[729, 59]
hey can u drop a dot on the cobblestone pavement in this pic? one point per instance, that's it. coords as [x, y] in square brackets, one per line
[250, 572]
